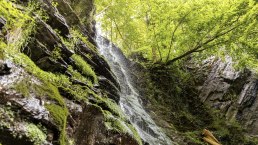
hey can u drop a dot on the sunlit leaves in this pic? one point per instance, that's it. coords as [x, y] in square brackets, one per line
[168, 30]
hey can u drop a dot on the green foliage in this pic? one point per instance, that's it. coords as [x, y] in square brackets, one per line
[2, 49]
[169, 30]
[18, 27]
[228, 133]
[78, 76]
[194, 137]
[79, 36]
[13, 16]
[59, 115]
[71, 142]
[35, 134]
[54, 4]
[22, 87]
[7, 117]
[56, 53]
[84, 68]
[75, 37]
[48, 89]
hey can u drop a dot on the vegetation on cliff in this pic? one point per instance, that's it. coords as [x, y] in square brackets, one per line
[49, 58]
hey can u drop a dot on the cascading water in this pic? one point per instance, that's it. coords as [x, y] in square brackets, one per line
[129, 98]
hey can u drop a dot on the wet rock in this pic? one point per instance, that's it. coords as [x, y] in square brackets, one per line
[99, 64]
[4, 68]
[56, 20]
[247, 106]
[67, 11]
[33, 106]
[15, 130]
[36, 50]
[112, 91]
[47, 36]
[248, 94]
[217, 82]
[233, 93]
[73, 119]
[94, 132]
[2, 22]
[43, 46]
[49, 64]
[7, 138]
[78, 82]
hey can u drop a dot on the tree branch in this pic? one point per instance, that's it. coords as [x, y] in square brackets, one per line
[174, 31]
[120, 33]
[200, 45]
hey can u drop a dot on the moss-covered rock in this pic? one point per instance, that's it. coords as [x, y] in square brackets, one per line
[48, 66]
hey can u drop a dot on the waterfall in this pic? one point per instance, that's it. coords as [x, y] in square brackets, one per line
[129, 97]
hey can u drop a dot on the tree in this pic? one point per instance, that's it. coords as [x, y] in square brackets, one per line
[174, 29]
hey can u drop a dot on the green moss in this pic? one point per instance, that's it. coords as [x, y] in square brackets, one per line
[135, 134]
[12, 14]
[56, 53]
[6, 117]
[59, 114]
[23, 87]
[194, 137]
[47, 89]
[35, 134]
[115, 119]
[77, 76]
[76, 92]
[19, 24]
[113, 107]
[78, 35]
[109, 105]
[3, 46]
[84, 68]
[251, 140]
[120, 125]
[114, 123]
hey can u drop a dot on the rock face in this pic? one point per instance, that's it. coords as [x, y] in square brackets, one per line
[55, 88]
[232, 92]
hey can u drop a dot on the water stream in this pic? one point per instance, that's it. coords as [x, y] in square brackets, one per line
[129, 97]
